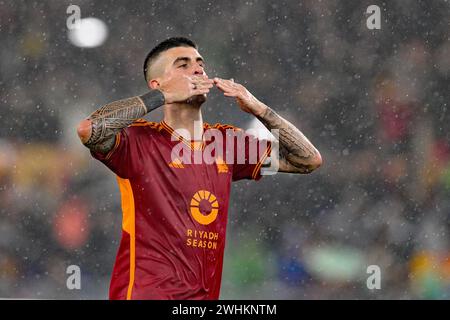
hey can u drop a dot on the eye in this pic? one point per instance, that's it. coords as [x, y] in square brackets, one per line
[184, 65]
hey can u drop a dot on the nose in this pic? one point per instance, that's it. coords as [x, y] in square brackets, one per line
[198, 70]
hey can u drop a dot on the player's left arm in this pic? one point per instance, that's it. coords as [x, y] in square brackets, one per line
[297, 153]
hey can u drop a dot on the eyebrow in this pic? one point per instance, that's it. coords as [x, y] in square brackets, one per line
[187, 59]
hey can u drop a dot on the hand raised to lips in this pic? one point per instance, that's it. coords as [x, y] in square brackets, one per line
[246, 101]
[181, 88]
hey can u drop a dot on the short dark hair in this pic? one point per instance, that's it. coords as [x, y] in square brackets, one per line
[163, 46]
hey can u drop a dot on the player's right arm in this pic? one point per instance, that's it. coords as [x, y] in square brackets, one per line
[98, 131]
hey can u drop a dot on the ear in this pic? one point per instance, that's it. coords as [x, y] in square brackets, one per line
[153, 84]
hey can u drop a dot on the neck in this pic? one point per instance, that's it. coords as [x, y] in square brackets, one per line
[184, 116]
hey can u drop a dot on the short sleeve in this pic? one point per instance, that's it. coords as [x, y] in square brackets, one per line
[119, 158]
[250, 154]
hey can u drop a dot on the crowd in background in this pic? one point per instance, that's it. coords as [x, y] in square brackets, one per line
[374, 102]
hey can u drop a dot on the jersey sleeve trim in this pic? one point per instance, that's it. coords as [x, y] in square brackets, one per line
[145, 123]
[116, 144]
[261, 160]
[222, 126]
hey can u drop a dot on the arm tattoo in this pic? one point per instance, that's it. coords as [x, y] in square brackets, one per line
[295, 148]
[114, 116]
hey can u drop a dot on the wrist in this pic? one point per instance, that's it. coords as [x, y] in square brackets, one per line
[262, 110]
[153, 99]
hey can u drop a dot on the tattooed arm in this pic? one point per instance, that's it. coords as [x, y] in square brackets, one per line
[98, 131]
[297, 154]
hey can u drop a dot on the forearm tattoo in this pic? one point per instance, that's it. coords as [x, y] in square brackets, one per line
[114, 116]
[295, 148]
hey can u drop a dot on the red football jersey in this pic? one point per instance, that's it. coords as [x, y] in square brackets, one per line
[174, 212]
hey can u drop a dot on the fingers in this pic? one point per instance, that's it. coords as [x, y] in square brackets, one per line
[228, 87]
[224, 81]
[202, 85]
[200, 91]
[226, 84]
[202, 82]
[201, 78]
[201, 88]
[221, 84]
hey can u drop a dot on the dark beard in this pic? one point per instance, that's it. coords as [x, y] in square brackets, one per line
[197, 100]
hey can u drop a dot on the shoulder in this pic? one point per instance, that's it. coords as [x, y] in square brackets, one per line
[143, 127]
[144, 123]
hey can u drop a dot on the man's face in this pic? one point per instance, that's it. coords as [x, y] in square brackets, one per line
[179, 61]
[183, 60]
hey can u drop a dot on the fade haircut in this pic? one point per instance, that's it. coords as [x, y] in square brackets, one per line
[163, 46]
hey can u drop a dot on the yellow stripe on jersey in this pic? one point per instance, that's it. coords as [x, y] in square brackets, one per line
[128, 225]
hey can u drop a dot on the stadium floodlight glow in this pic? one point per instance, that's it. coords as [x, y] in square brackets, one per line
[91, 32]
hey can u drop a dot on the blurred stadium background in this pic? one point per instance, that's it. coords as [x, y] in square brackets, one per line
[374, 102]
